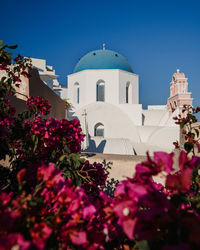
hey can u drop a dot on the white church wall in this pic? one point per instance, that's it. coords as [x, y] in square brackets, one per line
[165, 136]
[110, 79]
[145, 132]
[165, 118]
[39, 63]
[114, 81]
[116, 123]
[133, 111]
[88, 80]
[133, 79]
[170, 121]
[153, 117]
[77, 78]
[157, 107]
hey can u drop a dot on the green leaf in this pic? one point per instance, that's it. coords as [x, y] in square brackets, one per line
[142, 245]
[1, 42]
[53, 154]
[62, 157]
[33, 138]
[78, 180]
[82, 160]
[36, 144]
[182, 124]
[188, 146]
[33, 203]
[76, 160]
[67, 149]
[67, 174]
[14, 46]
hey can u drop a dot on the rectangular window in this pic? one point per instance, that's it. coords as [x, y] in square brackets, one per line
[127, 94]
[100, 132]
[100, 93]
[78, 95]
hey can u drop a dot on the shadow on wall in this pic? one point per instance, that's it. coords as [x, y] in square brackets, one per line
[38, 88]
[94, 148]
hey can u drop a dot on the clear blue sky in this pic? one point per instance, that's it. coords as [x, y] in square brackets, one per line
[156, 37]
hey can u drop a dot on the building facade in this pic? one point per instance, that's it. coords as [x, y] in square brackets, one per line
[104, 94]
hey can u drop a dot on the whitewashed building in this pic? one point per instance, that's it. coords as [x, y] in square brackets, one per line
[49, 77]
[104, 94]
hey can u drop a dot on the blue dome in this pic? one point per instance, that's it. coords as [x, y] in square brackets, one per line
[103, 59]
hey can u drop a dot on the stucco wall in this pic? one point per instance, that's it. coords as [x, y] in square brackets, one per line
[133, 79]
[133, 111]
[115, 86]
[153, 117]
[117, 124]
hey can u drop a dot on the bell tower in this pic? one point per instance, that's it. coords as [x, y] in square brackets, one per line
[179, 94]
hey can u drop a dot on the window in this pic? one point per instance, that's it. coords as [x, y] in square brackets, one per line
[99, 130]
[76, 93]
[128, 92]
[78, 90]
[127, 87]
[100, 91]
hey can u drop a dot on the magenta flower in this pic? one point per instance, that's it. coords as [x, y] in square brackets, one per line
[40, 233]
[13, 241]
[164, 160]
[78, 238]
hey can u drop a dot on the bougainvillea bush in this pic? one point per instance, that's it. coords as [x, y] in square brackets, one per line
[51, 198]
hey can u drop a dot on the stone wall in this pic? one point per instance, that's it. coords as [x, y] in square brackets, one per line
[123, 166]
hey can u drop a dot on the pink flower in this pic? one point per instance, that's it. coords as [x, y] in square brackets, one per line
[164, 160]
[50, 174]
[40, 233]
[13, 241]
[78, 237]
[88, 211]
[182, 179]
[127, 219]
[41, 104]
[5, 198]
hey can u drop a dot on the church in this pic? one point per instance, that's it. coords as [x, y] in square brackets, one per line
[103, 91]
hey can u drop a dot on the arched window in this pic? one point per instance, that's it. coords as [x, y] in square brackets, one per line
[99, 130]
[100, 91]
[76, 93]
[129, 92]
